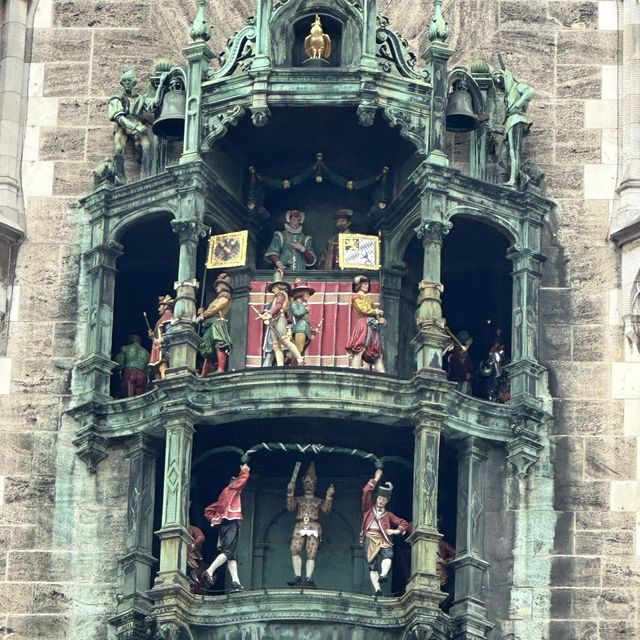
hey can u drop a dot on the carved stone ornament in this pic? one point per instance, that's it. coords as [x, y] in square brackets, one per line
[411, 125]
[92, 447]
[366, 114]
[260, 116]
[189, 229]
[393, 53]
[523, 452]
[240, 51]
[217, 125]
[433, 231]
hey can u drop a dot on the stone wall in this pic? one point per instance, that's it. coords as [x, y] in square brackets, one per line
[61, 528]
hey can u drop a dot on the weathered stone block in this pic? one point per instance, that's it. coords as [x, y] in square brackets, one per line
[587, 417]
[554, 305]
[34, 376]
[38, 264]
[575, 572]
[64, 339]
[555, 342]
[98, 112]
[57, 45]
[569, 116]
[35, 412]
[581, 495]
[30, 339]
[72, 178]
[569, 456]
[617, 630]
[99, 143]
[78, 14]
[37, 626]
[574, 47]
[15, 454]
[525, 15]
[589, 543]
[621, 572]
[610, 458]
[564, 532]
[578, 148]
[616, 603]
[51, 598]
[580, 380]
[35, 488]
[66, 79]
[16, 598]
[62, 143]
[580, 604]
[50, 219]
[73, 111]
[573, 630]
[40, 566]
[574, 15]
[563, 182]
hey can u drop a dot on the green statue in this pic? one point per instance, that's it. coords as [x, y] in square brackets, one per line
[129, 112]
[517, 96]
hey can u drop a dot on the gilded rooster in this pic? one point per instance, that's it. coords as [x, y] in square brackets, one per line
[317, 44]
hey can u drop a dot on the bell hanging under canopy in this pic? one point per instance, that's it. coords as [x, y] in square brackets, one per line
[170, 123]
[460, 117]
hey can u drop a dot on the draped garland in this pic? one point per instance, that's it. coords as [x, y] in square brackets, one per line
[320, 172]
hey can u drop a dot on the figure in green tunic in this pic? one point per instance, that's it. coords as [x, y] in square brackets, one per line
[301, 328]
[517, 96]
[132, 361]
[216, 340]
[291, 249]
[129, 111]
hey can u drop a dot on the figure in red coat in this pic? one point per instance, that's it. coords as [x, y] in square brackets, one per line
[226, 512]
[378, 527]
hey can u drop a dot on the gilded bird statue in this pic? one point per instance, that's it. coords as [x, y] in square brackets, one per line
[317, 44]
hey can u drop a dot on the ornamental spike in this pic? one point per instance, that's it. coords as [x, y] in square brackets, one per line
[438, 29]
[200, 30]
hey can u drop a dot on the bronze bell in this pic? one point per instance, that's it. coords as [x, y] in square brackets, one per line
[170, 122]
[460, 116]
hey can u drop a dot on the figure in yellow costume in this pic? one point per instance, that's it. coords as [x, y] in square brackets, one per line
[364, 343]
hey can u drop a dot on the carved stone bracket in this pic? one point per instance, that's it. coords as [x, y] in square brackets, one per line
[191, 229]
[392, 51]
[166, 630]
[432, 231]
[217, 125]
[366, 113]
[240, 51]
[411, 125]
[260, 116]
[92, 447]
[523, 452]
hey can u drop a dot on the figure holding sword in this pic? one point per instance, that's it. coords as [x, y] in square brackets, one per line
[277, 319]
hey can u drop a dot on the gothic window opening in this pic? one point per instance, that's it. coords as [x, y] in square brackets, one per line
[476, 301]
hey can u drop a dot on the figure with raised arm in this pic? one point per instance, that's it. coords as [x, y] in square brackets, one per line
[307, 532]
[378, 528]
[226, 513]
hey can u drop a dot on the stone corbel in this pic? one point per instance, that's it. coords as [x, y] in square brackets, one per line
[411, 126]
[523, 451]
[366, 113]
[260, 115]
[92, 447]
[189, 230]
[218, 125]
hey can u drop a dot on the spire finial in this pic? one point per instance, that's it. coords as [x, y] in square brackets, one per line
[438, 29]
[200, 30]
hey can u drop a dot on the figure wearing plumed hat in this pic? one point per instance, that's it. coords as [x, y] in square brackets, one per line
[307, 532]
[301, 328]
[378, 528]
[216, 339]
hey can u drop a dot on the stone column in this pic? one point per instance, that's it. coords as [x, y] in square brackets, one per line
[468, 611]
[137, 566]
[431, 338]
[423, 583]
[198, 55]
[174, 535]
[96, 368]
[183, 339]
[437, 56]
[524, 370]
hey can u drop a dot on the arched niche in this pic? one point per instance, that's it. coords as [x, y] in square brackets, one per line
[292, 21]
[301, 29]
[477, 297]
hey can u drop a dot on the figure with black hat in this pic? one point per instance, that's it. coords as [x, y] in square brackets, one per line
[307, 532]
[378, 528]
[459, 363]
[291, 249]
[301, 327]
[226, 513]
[364, 343]
[159, 361]
[277, 319]
[329, 260]
[216, 338]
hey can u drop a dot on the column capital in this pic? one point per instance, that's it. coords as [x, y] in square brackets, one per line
[190, 229]
[433, 230]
